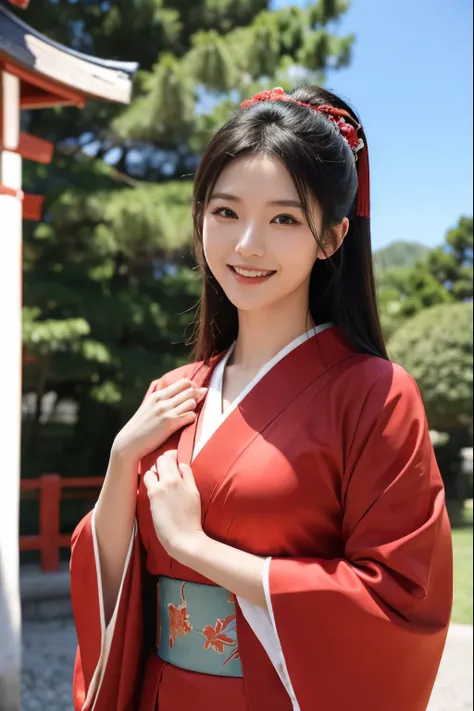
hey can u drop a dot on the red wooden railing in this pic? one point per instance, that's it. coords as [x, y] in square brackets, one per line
[51, 489]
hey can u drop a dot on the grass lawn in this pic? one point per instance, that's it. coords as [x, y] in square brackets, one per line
[463, 587]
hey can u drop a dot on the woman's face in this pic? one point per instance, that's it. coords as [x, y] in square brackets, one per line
[257, 242]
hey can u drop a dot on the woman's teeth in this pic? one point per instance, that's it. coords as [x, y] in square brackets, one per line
[245, 273]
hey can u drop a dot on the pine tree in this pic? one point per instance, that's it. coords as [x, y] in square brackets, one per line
[109, 284]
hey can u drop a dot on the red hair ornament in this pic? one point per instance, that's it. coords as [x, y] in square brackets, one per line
[348, 129]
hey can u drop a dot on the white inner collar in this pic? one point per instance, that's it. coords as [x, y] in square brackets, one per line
[212, 415]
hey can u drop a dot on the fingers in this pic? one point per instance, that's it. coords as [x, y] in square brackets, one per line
[167, 466]
[185, 419]
[167, 472]
[181, 390]
[186, 406]
[194, 394]
[150, 481]
[175, 388]
[200, 393]
[188, 477]
[165, 469]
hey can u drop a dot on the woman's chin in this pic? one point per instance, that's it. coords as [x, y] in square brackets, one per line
[243, 303]
[249, 297]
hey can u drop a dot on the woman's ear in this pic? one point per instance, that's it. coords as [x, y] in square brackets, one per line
[333, 238]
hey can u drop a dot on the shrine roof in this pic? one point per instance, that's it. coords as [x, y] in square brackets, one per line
[49, 65]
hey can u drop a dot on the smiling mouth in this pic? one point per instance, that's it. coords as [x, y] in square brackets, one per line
[251, 273]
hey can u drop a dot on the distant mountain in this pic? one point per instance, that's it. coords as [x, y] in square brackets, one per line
[400, 254]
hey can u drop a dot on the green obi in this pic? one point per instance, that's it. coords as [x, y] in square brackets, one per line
[198, 627]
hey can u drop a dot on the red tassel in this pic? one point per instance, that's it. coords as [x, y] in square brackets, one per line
[363, 196]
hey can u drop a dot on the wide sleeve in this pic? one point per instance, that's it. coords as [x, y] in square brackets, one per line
[366, 632]
[110, 659]
[261, 624]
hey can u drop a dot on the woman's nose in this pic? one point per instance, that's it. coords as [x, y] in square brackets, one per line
[251, 242]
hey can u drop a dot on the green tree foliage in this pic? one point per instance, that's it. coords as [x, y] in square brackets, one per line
[109, 286]
[451, 264]
[399, 254]
[436, 348]
[411, 279]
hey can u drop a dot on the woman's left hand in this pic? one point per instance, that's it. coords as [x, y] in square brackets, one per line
[175, 506]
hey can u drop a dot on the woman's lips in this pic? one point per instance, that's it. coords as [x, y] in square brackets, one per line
[243, 275]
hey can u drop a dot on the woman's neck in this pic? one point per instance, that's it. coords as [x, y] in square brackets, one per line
[262, 335]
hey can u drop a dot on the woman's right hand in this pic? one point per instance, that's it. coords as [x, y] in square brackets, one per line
[161, 414]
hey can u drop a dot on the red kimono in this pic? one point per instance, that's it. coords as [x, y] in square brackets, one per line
[327, 467]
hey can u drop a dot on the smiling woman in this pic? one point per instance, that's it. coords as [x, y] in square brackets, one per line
[248, 240]
[265, 543]
[304, 161]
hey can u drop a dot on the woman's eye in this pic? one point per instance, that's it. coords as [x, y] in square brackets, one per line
[285, 220]
[225, 212]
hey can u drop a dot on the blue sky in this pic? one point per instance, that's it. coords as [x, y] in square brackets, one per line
[411, 82]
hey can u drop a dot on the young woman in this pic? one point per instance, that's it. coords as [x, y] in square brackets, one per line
[289, 546]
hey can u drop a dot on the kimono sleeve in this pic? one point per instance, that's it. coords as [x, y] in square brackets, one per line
[110, 659]
[366, 632]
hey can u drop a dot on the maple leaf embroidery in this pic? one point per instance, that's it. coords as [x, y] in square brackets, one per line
[179, 619]
[233, 655]
[216, 637]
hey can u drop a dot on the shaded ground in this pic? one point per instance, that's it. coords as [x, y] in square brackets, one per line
[49, 649]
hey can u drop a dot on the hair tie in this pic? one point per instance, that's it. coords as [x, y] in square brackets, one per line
[348, 128]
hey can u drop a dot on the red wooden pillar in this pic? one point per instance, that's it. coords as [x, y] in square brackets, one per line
[49, 523]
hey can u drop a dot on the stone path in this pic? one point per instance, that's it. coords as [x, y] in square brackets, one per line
[453, 689]
[49, 649]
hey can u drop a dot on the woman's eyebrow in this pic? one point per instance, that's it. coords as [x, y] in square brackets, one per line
[280, 202]
[225, 196]
[286, 203]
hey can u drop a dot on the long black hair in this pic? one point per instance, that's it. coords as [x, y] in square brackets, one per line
[322, 166]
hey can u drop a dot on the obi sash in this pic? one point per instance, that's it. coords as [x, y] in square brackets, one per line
[198, 627]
